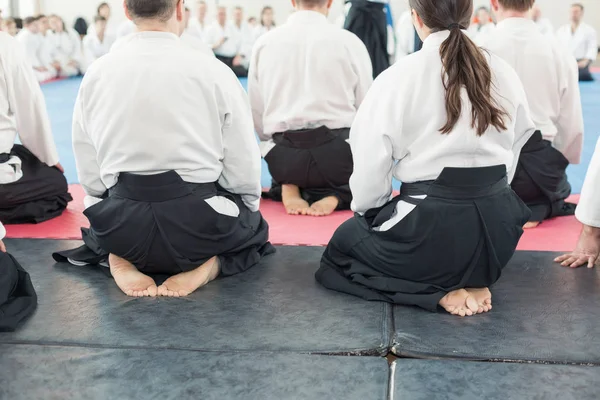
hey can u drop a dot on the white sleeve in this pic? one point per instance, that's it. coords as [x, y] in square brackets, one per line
[2, 231]
[30, 44]
[592, 45]
[569, 140]
[524, 129]
[210, 36]
[27, 103]
[588, 210]
[77, 54]
[241, 155]
[371, 182]
[256, 98]
[86, 157]
[363, 67]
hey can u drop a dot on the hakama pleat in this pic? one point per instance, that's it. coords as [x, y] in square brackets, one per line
[18, 299]
[40, 195]
[164, 225]
[239, 70]
[541, 180]
[368, 21]
[318, 161]
[585, 74]
[461, 235]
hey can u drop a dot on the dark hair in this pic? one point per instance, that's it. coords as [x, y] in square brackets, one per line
[262, 14]
[312, 3]
[464, 64]
[578, 5]
[19, 23]
[517, 5]
[99, 18]
[29, 20]
[102, 5]
[152, 9]
[81, 26]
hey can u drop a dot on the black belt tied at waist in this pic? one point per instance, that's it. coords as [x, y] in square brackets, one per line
[160, 187]
[310, 138]
[459, 184]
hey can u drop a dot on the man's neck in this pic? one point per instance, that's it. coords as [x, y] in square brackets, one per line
[238, 24]
[157, 26]
[501, 15]
[575, 25]
[320, 10]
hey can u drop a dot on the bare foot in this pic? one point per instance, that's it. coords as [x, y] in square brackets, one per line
[131, 281]
[186, 283]
[324, 207]
[483, 297]
[460, 302]
[531, 225]
[292, 200]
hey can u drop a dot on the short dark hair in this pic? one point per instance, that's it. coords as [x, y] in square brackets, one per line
[517, 5]
[152, 9]
[29, 21]
[312, 3]
[99, 18]
[578, 5]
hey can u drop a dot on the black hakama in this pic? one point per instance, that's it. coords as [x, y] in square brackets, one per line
[541, 180]
[368, 21]
[462, 235]
[318, 161]
[585, 75]
[41, 194]
[164, 225]
[18, 299]
[239, 70]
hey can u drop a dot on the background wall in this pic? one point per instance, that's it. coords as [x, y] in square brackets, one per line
[555, 10]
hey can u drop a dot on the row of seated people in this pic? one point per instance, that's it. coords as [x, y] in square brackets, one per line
[164, 142]
[580, 38]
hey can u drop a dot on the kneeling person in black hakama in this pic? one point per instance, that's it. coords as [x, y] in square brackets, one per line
[163, 134]
[33, 188]
[307, 79]
[457, 222]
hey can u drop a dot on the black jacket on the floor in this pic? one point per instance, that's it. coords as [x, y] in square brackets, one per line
[18, 299]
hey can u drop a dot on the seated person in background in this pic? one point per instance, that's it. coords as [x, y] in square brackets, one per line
[582, 40]
[190, 39]
[97, 42]
[226, 42]
[47, 51]
[67, 47]
[198, 26]
[267, 22]
[246, 35]
[407, 37]
[252, 23]
[543, 24]
[81, 27]
[549, 75]
[456, 223]
[9, 26]
[482, 25]
[307, 79]
[32, 42]
[33, 188]
[587, 251]
[164, 134]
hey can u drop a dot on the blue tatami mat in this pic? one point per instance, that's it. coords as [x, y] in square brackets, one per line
[60, 98]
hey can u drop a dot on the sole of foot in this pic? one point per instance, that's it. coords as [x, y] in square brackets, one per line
[292, 200]
[130, 280]
[186, 283]
[459, 303]
[531, 225]
[483, 297]
[324, 207]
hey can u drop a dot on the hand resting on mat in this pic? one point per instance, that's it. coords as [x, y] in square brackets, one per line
[586, 252]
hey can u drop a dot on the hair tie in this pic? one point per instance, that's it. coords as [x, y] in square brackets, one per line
[455, 25]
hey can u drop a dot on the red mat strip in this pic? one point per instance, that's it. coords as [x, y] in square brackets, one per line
[559, 234]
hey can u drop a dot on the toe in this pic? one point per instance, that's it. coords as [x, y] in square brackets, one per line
[152, 291]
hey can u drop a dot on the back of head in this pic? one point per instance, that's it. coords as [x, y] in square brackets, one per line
[80, 26]
[464, 64]
[28, 21]
[161, 10]
[308, 4]
[517, 5]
